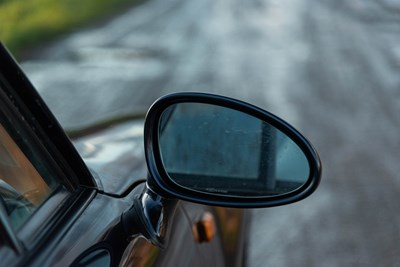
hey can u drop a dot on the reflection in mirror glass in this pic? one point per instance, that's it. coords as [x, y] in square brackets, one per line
[219, 150]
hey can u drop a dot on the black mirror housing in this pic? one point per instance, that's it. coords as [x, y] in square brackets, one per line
[220, 151]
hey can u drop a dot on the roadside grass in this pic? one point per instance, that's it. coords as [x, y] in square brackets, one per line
[24, 24]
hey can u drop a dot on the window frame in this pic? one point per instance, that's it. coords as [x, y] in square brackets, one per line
[21, 103]
[34, 228]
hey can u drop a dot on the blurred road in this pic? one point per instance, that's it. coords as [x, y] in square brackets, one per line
[330, 68]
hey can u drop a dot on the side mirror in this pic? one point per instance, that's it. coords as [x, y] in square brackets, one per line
[219, 151]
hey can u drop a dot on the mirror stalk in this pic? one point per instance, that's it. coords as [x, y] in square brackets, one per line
[149, 216]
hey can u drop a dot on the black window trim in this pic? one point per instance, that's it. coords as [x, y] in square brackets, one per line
[48, 214]
[21, 101]
[7, 233]
[18, 122]
[59, 209]
[24, 97]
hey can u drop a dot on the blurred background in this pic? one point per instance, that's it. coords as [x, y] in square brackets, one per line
[330, 68]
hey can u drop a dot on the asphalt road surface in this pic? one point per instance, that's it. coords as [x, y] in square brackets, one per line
[330, 68]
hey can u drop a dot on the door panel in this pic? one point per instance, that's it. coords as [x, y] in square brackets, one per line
[182, 248]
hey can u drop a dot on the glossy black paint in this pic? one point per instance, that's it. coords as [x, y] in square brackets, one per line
[160, 182]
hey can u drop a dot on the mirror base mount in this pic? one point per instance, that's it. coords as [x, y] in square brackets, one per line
[149, 217]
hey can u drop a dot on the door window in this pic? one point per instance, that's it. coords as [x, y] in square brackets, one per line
[23, 186]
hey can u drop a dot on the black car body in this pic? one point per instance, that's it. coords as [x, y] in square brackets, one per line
[108, 210]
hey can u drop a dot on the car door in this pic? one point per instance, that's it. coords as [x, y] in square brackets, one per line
[41, 177]
[47, 221]
[52, 211]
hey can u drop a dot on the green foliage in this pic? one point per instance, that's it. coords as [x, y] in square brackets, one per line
[27, 23]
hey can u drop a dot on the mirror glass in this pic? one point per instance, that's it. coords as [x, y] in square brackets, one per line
[218, 150]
